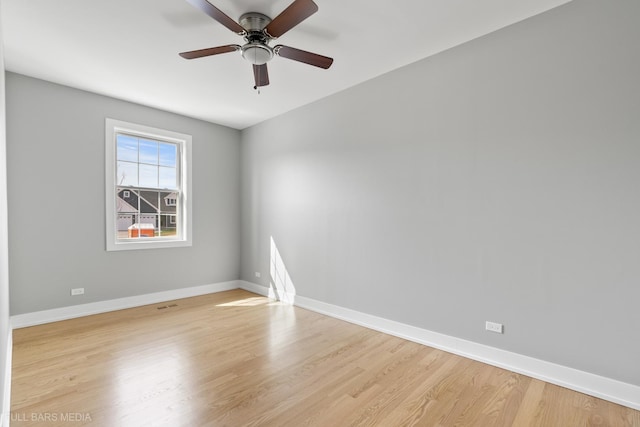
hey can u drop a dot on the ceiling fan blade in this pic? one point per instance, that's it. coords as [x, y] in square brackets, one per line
[218, 15]
[303, 56]
[209, 51]
[297, 12]
[261, 75]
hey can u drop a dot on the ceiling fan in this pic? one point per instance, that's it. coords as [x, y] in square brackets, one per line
[258, 30]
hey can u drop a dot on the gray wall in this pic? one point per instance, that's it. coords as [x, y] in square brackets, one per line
[4, 259]
[55, 151]
[496, 181]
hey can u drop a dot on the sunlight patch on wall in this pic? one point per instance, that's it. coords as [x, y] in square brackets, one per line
[280, 286]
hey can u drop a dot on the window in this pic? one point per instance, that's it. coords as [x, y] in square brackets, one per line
[148, 188]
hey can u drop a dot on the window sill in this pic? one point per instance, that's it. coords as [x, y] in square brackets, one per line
[136, 244]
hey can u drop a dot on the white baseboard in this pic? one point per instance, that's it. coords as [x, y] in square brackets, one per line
[64, 313]
[583, 382]
[266, 292]
[5, 410]
[252, 287]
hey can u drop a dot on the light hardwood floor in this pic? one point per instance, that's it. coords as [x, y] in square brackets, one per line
[238, 359]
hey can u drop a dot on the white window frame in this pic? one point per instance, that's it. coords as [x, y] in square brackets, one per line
[184, 226]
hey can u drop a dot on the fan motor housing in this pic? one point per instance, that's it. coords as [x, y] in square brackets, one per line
[254, 21]
[256, 50]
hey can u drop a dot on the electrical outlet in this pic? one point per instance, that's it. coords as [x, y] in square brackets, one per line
[494, 327]
[258, 274]
[77, 291]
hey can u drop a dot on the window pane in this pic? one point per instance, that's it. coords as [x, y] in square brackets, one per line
[148, 152]
[127, 148]
[168, 217]
[148, 176]
[127, 174]
[126, 201]
[168, 202]
[149, 201]
[124, 222]
[127, 211]
[167, 154]
[148, 218]
[168, 178]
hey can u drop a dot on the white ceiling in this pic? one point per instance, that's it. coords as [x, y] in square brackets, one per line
[128, 49]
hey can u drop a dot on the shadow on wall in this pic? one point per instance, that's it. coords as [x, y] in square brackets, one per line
[280, 286]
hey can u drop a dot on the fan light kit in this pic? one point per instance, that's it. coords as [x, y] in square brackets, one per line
[258, 30]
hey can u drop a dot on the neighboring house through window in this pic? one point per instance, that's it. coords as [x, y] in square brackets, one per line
[147, 186]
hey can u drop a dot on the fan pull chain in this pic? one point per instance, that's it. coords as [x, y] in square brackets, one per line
[256, 87]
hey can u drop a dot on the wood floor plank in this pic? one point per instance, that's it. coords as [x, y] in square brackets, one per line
[529, 409]
[237, 359]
